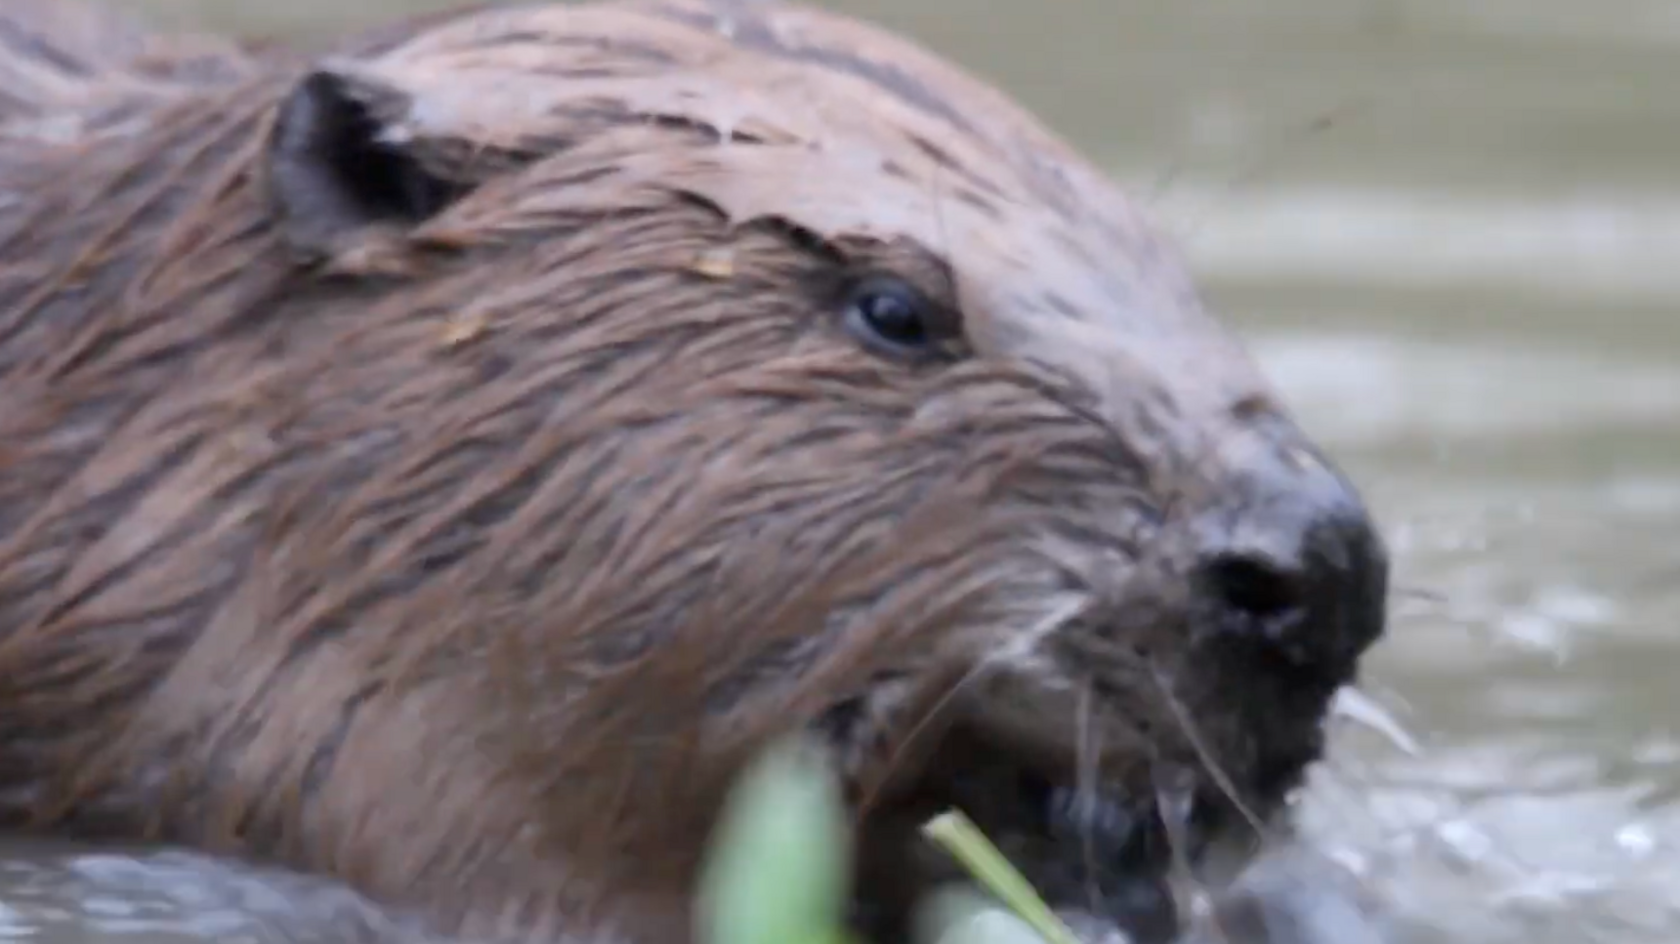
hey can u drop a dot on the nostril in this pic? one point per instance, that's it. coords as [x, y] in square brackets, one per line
[1254, 586]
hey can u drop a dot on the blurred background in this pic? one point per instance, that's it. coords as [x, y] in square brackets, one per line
[1451, 230]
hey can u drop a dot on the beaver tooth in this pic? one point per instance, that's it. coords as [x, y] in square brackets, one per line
[1088, 816]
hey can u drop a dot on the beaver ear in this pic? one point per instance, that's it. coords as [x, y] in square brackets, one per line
[339, 162]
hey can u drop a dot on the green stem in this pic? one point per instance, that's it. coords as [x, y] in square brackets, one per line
[964, 841]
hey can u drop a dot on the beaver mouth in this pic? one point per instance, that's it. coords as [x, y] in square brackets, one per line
[1104, 857]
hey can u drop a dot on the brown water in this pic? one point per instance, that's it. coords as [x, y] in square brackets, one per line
[1452, 230]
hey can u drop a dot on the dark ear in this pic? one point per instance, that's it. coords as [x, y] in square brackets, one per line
[340, 163]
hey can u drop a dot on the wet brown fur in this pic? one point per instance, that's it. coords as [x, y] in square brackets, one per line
[465, 558]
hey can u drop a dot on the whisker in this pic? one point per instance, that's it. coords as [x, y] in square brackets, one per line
[1214, 769]
[1421, 594]
[1268, 157]
[867, 801]
[1059, 616]
[1172, 804]
[1085, 793]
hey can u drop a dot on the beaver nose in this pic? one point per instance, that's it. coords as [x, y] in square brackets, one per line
[1293, 560]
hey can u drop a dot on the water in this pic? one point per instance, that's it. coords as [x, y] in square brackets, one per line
[1451, 229]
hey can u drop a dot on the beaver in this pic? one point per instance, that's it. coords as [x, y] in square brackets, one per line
[440, 463]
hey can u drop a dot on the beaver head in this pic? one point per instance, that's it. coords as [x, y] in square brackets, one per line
[443, 466]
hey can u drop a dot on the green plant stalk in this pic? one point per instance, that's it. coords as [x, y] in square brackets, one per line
[775, 872]
[958, 835]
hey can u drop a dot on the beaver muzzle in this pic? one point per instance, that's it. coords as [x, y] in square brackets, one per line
[1286, 581]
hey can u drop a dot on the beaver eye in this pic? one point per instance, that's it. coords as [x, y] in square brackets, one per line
[891, 315]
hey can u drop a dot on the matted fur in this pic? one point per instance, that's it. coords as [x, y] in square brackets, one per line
[466, 558]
